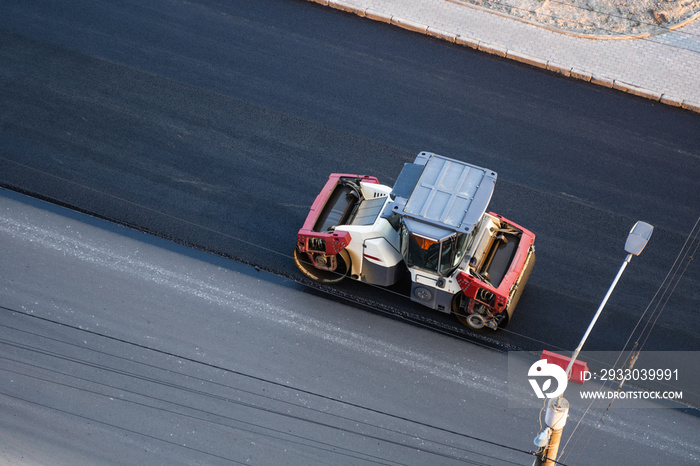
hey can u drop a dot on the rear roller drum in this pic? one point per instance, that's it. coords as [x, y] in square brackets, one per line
[342, 267]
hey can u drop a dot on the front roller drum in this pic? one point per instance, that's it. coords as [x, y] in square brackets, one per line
[307, 267]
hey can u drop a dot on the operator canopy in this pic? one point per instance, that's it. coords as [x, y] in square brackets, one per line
[440, 201]
[443, 193]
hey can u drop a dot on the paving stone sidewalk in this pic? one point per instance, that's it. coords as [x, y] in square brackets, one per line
[664, 67]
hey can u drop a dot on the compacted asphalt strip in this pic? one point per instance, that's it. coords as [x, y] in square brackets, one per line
[663, 66]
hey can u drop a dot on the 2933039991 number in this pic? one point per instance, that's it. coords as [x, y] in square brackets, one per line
[638, 374]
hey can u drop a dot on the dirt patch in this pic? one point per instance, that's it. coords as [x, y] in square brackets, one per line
[598, 17]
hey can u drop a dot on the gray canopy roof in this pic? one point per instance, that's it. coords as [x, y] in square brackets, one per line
[443, 192]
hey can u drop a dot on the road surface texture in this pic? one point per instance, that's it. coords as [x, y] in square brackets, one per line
[216, 123]
[646, 48]
[117, 347]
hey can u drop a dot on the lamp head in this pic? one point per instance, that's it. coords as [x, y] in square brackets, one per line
[638, 237]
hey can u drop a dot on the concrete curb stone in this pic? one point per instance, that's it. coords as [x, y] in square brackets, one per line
[636, 90]
[561, 69]
[440, 34]
[493, 49]
[692, 106]
[670, 100]
[602, 81]
[376, 16]
[467, 41]
[409, 25]
[527, 59]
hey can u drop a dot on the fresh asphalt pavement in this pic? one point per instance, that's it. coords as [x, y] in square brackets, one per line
[216, 123]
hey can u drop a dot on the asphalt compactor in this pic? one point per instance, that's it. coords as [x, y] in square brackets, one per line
[433, 223]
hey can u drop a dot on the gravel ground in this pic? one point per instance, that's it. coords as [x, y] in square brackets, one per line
[598, 17]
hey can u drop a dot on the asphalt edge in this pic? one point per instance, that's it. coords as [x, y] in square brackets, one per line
[503, 52]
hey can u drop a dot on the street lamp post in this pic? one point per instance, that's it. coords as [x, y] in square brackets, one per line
[636, 241]
[557, 410]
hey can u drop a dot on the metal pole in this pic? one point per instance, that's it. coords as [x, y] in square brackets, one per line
[597, 314]
[558, 409]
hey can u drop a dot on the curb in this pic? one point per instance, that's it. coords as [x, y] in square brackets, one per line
[503, 52]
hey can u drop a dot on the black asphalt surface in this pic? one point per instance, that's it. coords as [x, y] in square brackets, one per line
[215, 123]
